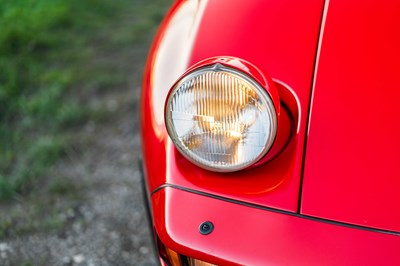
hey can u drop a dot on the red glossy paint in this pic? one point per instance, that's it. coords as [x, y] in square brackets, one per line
[352, 171]
[250, 236]
[280, 39]
[350, 174]
[167, 60]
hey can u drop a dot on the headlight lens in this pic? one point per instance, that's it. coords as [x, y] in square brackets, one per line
[220, 118]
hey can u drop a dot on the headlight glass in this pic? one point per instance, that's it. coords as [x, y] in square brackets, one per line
[220, 118]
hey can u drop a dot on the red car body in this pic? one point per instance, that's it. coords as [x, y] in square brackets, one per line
[330, 194]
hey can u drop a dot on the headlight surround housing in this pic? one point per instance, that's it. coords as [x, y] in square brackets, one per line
[222, 114]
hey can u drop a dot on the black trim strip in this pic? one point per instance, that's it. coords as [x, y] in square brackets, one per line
[148, 210]
[251, 205]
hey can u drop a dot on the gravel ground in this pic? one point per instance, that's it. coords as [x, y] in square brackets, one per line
[106, 223]
[109, 226]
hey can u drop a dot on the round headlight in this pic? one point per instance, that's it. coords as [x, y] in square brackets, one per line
[220, 118]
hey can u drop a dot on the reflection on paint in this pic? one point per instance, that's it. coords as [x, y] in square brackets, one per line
[172, 56]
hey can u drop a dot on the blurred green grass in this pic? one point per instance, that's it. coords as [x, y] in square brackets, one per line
[47, 50]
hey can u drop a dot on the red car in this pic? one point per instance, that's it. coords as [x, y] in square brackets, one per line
[271, 133]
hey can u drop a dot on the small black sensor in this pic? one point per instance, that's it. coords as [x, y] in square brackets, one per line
[206, 228]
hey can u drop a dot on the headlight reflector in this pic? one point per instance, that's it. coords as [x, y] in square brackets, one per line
[220, 118]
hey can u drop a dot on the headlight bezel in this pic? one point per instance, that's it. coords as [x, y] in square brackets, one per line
[245, 71]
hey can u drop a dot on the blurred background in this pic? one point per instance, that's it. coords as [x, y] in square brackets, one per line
[70, 75]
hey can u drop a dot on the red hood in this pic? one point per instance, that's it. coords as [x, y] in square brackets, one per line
[280, 38]
[352, 167]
